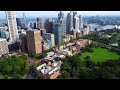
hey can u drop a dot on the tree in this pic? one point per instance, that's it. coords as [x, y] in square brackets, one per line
[119, 43]
[17, 69]
[7, 69]
[66, 75]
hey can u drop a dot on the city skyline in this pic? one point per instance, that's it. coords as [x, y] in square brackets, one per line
[55, 13]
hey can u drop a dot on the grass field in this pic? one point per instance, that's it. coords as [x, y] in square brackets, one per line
[100, 55]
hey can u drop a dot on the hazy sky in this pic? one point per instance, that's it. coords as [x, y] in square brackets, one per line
[55, 13]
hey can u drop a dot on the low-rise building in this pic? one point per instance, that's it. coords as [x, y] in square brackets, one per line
[49, 70]
[82, 43]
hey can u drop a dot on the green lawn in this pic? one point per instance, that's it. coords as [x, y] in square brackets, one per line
[2, 76]
[100, 55]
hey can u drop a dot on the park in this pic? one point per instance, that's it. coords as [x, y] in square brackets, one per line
[100, 55]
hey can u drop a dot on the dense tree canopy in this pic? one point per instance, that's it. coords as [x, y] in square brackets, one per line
[14, 67]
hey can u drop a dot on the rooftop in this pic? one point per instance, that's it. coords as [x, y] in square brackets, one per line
[70, 44]
[49, 69]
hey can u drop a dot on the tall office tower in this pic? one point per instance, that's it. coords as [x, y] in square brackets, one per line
[58, 33]
[49, 25]
[74, 15]
[50, 37]
[40, 23]
[63, 26]
[21, 23]
[62, 22]
[69, 22]
[34, 41]
[77, 23]
[24, 17]
[60, 16]
[12, 26]
[3, 46]
[80, 23]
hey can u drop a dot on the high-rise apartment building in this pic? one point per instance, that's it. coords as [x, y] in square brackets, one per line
[34, 41]
[3, 46]
[12, 26]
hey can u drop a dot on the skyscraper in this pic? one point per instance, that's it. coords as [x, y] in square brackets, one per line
[59, 29]
[60, 15]
[80, 23]
[34, 41]
[49, 25]
[69, 22]
[40, 23]
[21, 23]
[12, 26]
[57, 33]
[77, 23]
[74, 15]
[63, 26]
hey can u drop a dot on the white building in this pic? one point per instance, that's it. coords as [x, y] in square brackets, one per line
[50, 37]
[3, 47]
[12, 26]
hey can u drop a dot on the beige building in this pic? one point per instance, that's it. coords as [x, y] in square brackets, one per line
[34, 41]
[3, 47]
